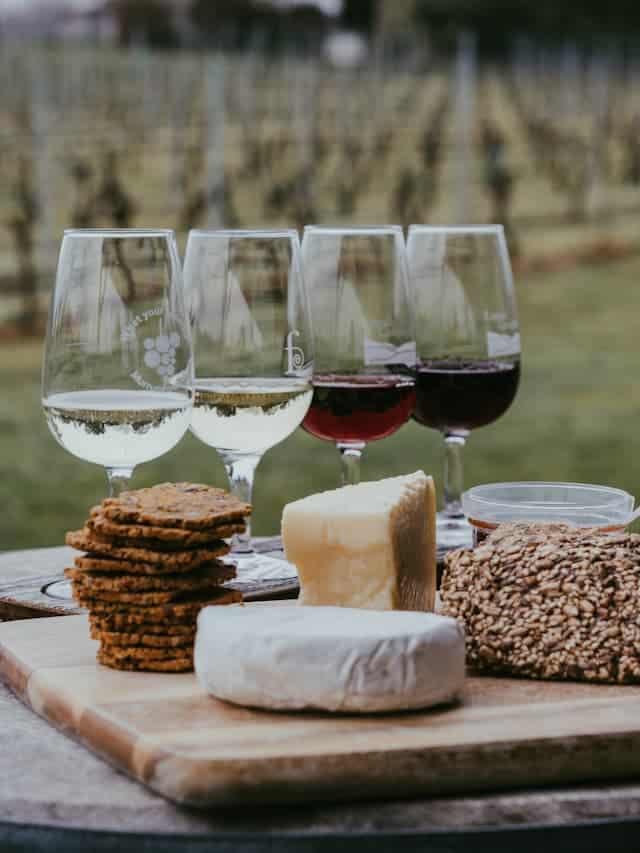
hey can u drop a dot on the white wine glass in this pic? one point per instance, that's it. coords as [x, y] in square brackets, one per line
[117, 378]
[252, 345]
[468, 346]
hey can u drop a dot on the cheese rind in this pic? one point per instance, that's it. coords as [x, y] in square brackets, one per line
[368, 546]
[330, 658]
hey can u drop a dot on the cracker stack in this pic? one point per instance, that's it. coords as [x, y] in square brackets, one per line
[151, 563]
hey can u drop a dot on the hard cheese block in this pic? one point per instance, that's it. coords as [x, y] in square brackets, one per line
[372, 545]
[329, 658]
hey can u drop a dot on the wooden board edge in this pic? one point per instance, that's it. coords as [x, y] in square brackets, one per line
[90, 729]
[14, 673]
[113, 742]
[199, 783]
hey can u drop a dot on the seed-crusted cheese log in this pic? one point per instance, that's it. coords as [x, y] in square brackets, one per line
[549, 601]
[371, 546]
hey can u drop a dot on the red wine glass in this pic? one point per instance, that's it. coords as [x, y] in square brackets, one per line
[364, 339]
[468, 344]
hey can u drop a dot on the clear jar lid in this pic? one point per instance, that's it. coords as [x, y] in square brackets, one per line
[581, 504]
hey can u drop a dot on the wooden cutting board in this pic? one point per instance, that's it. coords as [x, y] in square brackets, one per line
[165, 732]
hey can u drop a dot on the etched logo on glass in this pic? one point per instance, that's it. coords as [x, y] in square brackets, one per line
[159, 351]
[295, 355]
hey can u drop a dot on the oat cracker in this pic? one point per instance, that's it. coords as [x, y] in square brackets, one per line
[97, 546]
[160, 538]
[190, 505]
[177, 664]
[121, 638]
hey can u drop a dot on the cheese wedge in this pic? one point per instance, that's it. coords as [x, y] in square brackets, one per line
[332, 658]
[369, 546]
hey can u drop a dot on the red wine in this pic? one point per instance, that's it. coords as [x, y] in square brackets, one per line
[359, 408]
[456, 395]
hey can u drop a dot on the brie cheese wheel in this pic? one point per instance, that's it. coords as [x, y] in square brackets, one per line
[330, 658]
[370, 546]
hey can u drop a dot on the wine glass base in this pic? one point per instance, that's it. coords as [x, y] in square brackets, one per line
[257, 545]
[256, 566]
[266, 544]
[452, 532]
[59, 589]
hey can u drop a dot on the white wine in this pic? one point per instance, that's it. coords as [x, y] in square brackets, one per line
[118, 429]
[248, 415]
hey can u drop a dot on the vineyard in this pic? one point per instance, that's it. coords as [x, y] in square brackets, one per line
[549, 145]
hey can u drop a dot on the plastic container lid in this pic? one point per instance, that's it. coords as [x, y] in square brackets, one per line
[574, 503]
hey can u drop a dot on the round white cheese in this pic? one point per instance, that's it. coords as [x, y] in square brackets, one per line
[330, 658]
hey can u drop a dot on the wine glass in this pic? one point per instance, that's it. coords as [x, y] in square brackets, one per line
[117, 378]
[468, 346]
[253, 347]
[365, 352]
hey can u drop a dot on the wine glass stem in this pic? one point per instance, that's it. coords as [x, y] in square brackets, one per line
[453, 474]
[241, 469]
[118, 479]
[350, 455]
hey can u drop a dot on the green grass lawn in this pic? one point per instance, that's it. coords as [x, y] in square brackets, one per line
[576, 417]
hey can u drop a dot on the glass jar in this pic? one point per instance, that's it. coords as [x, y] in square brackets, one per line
[601, 507]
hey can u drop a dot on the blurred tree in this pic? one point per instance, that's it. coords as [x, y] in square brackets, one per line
[82, 208]
[112, 201]
[224, 21]
[146, 21]
[22, 224]
[405, 206]
[199, 202]
[631, 142]
[235, 24]
[499, 179]
[359, 15]
[497, 21]
[113, 205]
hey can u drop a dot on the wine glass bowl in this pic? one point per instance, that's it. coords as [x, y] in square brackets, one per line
[458, 395]
[359, 408]
[253, 347]
[117, 369]
[364, 387]
[468, 344]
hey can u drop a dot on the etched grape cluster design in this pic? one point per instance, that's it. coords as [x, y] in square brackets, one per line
[160, 353]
